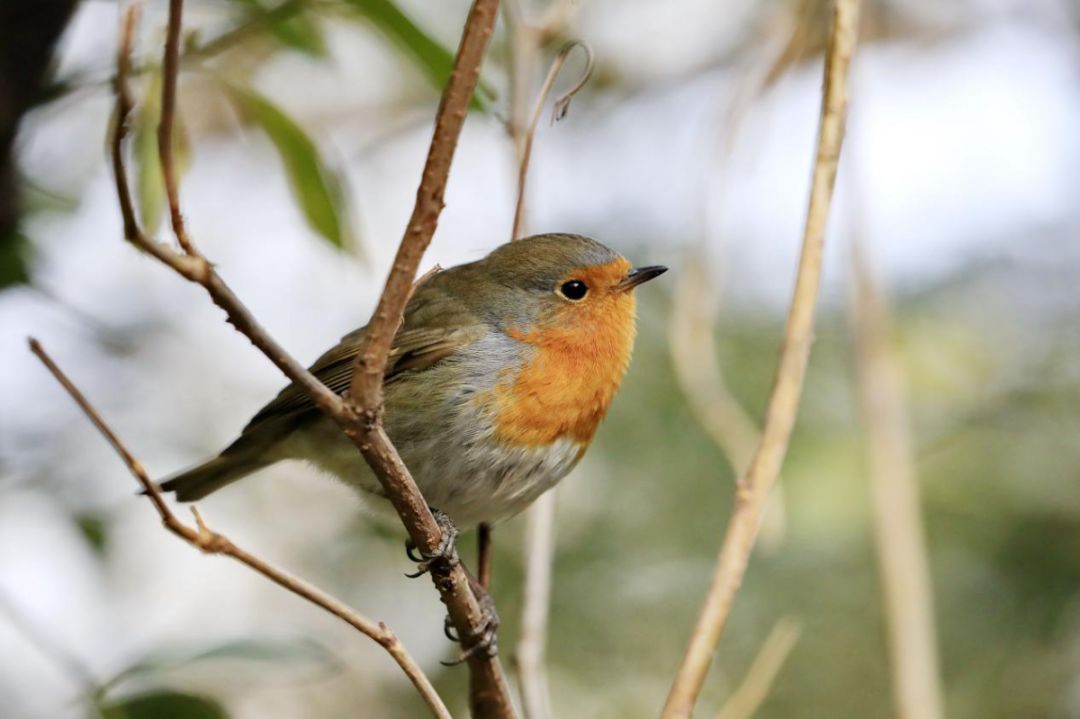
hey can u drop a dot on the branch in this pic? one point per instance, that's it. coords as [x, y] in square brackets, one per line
[211, 542]
[484, 548]
[753, 488]
[195, 267]
[366, 389]
[358, 415]
[531, 647]
[747, 698]
[898, 524]
[169, 75]
[700, 376]
[540, 517]
[562, 104]
[489, 694]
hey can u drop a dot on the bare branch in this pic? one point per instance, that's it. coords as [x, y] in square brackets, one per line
[489, 694]
[532, 644]
[366, 389]
[747, 698]
[754, 486]
[170, 76]
[483, 555]
[43, 640]
[700, 375]
[562, 104]
[529, 655]
[898, 523]
[359, 415]
[195, 267]
[211, 542]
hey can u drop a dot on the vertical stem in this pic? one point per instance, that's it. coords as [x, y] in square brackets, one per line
[898, 523]
[483, 551]
[753, 488]
[169, 77]
[529, 656]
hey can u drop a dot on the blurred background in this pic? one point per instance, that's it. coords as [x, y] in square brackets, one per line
[303, 127]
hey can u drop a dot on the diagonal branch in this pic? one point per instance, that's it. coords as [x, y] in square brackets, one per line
[360, 414]
[744, 702]
[753, 488]
[194, 267]
[211, 542]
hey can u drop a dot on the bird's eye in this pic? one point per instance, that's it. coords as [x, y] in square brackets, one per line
[574, 290]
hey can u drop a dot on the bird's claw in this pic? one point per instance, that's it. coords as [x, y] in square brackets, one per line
[448, 630]
[484, 642]
[444, 556]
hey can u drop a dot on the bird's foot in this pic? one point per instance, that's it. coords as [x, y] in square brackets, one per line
[444, 557]
[484, 642]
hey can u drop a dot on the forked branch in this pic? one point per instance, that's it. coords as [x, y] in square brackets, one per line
[359, 414]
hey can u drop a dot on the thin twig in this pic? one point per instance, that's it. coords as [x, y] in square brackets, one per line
[170, 77]
[748, 697]
[693, 313]
[562, 104]
[529, 656]
[700, 375]
[697, 367]
[898, 523]
[359, 414]
[42, 639]
[753, 488]
[483, 555]
[195, 267]
[211, 542]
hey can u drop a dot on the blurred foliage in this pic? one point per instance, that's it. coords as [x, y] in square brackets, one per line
[317, 187]
[164, 705]
[94, 529]
[262, 650]
[14, 259]
[150, 184]
[294, 25]
[295, 30]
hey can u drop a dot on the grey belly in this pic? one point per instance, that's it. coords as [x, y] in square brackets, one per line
[461, 473]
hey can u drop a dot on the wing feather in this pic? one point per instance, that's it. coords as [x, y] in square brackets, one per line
[415, 349]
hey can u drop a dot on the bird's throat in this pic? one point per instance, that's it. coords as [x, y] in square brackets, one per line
[576, 365]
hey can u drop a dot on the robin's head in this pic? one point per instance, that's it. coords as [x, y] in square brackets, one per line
[570, 301]
[560, 279]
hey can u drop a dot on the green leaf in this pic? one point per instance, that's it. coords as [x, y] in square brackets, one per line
[301, 33]
[317, 187]
[292, 29]
[94, 530]
[149, 183]
[272, 651]
[434, 60]
[164, 704]
[265, 650]
[14, 259]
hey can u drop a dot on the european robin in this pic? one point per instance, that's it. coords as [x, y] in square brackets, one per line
[498, 378]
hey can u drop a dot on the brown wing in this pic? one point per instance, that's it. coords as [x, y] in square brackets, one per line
[414, 349]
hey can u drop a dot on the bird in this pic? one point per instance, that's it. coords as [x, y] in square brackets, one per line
[498, 378]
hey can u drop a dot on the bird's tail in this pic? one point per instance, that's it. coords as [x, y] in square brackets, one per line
[212, 475]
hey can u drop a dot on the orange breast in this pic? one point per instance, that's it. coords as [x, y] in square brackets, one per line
[580, 357]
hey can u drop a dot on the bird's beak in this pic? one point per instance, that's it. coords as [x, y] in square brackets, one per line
[640, 275]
